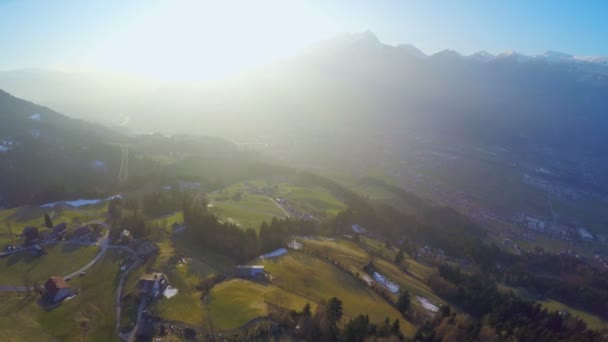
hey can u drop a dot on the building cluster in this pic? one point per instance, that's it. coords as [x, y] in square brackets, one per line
[32, 235]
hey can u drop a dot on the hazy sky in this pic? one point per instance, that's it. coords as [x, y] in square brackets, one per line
[206, 39]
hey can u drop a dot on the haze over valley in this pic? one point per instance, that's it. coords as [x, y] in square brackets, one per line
[227, 171]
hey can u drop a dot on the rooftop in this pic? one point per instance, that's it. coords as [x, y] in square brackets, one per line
[59, 282]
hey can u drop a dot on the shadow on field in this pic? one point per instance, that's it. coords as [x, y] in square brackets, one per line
[26, 257]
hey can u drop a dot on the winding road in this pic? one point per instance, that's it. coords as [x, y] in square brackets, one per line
[104, 244]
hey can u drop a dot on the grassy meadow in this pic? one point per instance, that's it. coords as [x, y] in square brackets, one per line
[90, 316]
[25, 268]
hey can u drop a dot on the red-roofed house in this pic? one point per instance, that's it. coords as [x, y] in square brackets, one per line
[57, 288]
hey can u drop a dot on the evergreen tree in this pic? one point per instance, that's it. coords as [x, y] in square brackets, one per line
[396, 327]
[47, 221]
[306, 311]
[404, 301]
[334, 310]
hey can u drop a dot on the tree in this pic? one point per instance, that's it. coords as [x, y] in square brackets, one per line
[399, 257]
[326, 319]
[396, 327]
[306, 311]
[47, 221]
[404, 301]
[334, 310]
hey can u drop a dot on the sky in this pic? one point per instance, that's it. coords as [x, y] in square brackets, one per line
[188, 39]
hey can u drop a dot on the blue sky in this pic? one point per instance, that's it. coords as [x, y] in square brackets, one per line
[531, 26]
[107, 34]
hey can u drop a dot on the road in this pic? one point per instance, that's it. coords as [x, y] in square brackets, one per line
[124, 164]
[103, 243]
[133, 334]
[121, 284]
[278, 205]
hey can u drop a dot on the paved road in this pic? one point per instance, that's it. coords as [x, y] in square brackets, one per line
[140, 310]
[104, 244]
[121, 284]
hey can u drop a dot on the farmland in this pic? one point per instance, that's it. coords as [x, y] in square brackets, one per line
[317, 280]
[88, 316]
[25, 268]
[236, 302]
[250, 203]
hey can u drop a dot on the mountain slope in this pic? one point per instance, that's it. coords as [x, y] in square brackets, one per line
[47, 155]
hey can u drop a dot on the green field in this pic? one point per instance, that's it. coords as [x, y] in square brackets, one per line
[242, 215]
[593, 321]
[13, 221]
[25, 268]
[167, 221]
[245, 209]
[235, 302]
[89, 316]
[313, 200]
[187, 306]
[316, 280]
[249, 209]
[348, 253]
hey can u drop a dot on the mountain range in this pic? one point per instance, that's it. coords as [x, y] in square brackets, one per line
[355, 92]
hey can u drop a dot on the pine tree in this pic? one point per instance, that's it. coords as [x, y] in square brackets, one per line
[306, 311]
[396, 327]
[47, 221]
[404, 302]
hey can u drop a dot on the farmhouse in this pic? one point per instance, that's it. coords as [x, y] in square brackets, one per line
[249, 270]
[295, 245]
[152, 285]
[57, 289]
[82, 233]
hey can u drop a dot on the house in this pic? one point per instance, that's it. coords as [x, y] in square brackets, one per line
[295, 245]
[30, 234]
[152, 284]
[57, 289]
[249, 271]
[358, 229]
[60, 229]
[82, 233]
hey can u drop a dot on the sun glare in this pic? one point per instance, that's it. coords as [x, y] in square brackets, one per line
[208, 39]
